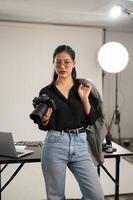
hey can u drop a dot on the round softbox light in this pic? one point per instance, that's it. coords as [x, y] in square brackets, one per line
[113, 57]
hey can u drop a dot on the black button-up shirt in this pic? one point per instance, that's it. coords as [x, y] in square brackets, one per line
[69, 113]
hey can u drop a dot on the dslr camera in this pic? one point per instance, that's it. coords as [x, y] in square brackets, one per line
[41, 105]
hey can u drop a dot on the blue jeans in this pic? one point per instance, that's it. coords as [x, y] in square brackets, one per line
[63, 150]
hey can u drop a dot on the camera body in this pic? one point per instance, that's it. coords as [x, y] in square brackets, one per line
[41, 105]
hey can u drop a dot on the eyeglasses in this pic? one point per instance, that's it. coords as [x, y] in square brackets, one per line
[65, 63]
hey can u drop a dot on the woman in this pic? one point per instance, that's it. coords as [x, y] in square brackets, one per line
[65, 144]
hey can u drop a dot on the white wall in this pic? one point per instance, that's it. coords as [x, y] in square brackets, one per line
[125, 94]
[25, 67]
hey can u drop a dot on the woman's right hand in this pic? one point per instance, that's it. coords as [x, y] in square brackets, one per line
[46, 117]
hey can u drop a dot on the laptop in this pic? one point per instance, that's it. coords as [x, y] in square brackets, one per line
[8, 149]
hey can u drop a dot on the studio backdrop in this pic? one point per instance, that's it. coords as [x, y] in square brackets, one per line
[26, 66]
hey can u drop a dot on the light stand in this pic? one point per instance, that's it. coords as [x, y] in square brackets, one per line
[116, 111]
[113, 58]
[115, 117]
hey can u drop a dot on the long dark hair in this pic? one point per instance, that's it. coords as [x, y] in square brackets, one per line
[71, 52]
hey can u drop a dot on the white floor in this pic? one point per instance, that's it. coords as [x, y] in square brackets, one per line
[29, 184]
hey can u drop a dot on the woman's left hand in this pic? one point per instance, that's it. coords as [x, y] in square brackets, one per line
[84, 91]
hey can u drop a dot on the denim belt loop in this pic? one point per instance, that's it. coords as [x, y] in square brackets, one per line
[77, 131]
[62, 132]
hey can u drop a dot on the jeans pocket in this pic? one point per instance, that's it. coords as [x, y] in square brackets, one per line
[53, 137]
